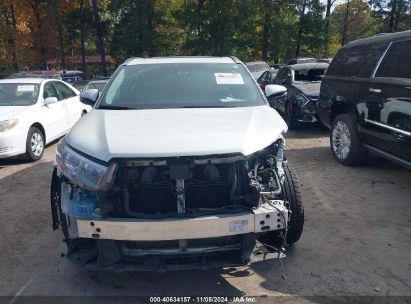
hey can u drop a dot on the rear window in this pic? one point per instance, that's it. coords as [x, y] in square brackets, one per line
[397, 62]
[356, 61]
[309, 74]
[257, 67]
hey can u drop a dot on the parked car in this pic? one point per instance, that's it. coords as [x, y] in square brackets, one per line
[179, 165]
[257, 68]
[266, 78]
[34, 112]
[366, 99]
[303, 88]
[299, 60]
[96, 84]
[277, 66]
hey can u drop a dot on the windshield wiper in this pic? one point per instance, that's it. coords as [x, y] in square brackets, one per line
[106, 107]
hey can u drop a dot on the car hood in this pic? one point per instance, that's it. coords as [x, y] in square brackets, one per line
[311, 89]
[7, 112]
[107, 134]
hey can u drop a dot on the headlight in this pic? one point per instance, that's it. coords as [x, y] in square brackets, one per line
[82, 171]
[8, 124]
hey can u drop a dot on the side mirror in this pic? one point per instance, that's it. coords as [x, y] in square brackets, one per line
[89, 97]
[50, 100]
[275, 91]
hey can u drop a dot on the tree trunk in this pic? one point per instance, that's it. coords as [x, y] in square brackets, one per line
[266, 29]
[10, 19]
[100, 38]
[392, 16]
[300, 30]
[61, 39]
[344, 34]
[327, 28]
[82, 48]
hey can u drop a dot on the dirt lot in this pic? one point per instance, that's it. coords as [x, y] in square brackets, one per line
[356, 240]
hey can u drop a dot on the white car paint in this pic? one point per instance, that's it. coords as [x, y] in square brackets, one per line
[107, 134]
[56, 119]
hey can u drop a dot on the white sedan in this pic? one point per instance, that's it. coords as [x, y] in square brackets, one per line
[34, 112]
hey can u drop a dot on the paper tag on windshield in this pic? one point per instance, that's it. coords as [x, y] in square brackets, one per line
[25, 88]
[228, 78]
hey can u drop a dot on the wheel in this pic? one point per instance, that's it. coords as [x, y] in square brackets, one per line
[345, 141]
[290, 117]
[34, 144]
[292, 194]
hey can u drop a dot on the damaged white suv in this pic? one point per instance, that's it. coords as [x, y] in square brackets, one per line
[179, 165]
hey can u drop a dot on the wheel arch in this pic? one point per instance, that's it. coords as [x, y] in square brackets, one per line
[41, 128]
[342, 107]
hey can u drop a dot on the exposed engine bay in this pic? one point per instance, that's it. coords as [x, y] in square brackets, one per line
[185, 212]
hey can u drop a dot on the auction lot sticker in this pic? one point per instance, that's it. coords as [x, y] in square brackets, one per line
[25, 88]
[228, 78]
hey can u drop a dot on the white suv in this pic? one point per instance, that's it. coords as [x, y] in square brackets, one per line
[179, 165]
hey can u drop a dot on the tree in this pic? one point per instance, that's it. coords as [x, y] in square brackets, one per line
[100, 36]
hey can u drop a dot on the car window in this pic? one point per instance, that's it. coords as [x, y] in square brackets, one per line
[64, 90]
[280, 76]
[309, 74]
[397, 62]
[50, 91]
[18, 94]
[262, 77]
[172, 85]
[356, 61]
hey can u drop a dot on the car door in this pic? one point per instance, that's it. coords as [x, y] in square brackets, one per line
[388, 102]
[54, 116]
[264, 79]
[72, 102]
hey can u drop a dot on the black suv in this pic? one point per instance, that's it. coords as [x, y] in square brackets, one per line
[365, 99]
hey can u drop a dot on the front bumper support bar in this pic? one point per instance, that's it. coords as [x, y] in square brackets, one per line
[267, 217]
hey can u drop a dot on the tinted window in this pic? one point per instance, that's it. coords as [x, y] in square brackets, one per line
[397, 62]
[356, 61]
[64, 90]
[309, 74]
[172, 85]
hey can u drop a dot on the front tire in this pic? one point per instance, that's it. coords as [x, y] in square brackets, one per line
[345, 141]
[292, 194]
[34, 144]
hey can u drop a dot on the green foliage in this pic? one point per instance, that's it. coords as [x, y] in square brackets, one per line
[34, 31]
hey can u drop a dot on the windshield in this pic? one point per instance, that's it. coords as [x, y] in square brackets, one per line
[309, 75]
[177, 85]
[18, 94]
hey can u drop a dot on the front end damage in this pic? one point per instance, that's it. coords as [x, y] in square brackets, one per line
[172, 213]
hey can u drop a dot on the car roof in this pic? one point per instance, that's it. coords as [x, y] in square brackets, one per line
[23, 80]
[380, 38]
[182, 59]
[313, 65]
[255, 62]
[99, 81]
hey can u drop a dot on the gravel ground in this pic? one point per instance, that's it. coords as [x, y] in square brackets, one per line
[356, 240]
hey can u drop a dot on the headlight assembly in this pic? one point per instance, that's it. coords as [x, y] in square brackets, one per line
[82, 171]
[8, 124]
